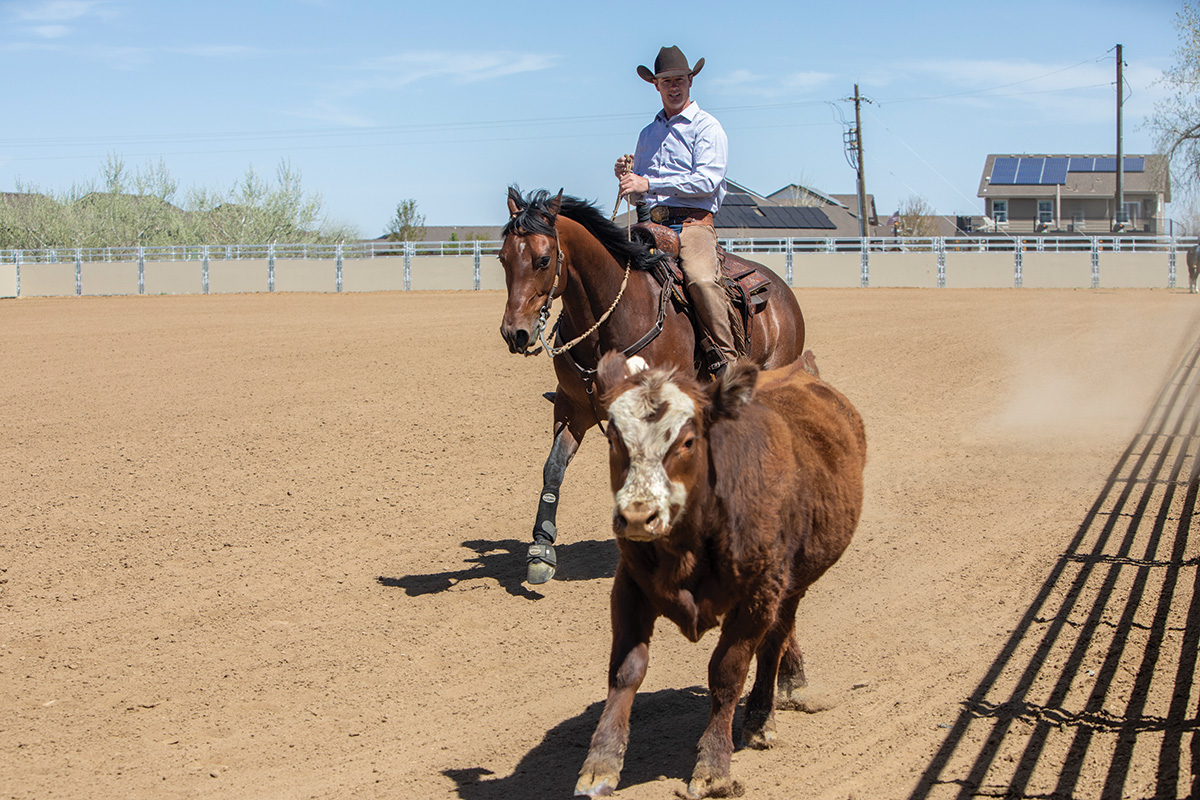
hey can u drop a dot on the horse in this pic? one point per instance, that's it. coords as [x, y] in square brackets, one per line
[1193, 265]
[564, 247]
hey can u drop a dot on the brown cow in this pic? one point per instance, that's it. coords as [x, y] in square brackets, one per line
[730, 500]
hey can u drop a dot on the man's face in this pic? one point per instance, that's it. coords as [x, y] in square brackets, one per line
[675, 93]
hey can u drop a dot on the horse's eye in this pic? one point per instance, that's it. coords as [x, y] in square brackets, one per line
[543, 262]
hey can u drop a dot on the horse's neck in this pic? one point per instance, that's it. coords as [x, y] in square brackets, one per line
[594, 281]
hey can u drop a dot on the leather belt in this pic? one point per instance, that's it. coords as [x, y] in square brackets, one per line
[672, 215]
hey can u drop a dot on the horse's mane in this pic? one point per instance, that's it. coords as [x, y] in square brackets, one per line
[534, 217]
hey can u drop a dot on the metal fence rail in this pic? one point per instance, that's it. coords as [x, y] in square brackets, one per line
[374, 249]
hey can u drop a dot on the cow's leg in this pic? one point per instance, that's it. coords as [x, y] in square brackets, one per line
[758, 730]
[633, 622]
[791, 674]
[542, 560]
[726, 676]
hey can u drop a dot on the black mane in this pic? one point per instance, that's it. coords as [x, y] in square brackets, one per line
[534, 217]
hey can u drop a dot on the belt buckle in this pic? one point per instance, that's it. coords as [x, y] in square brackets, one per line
[659, 214]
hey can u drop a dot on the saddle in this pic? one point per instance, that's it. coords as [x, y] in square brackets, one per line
[747, 288]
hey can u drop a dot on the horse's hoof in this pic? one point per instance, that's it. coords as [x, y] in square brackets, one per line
[541, 563]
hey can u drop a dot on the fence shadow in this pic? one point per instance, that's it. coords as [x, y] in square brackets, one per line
[504, 562]
[1093, 695]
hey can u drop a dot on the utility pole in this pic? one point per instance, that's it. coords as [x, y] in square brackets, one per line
[1120, 218]
[858, 143]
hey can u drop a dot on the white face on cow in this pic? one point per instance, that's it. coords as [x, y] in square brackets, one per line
[653, 434]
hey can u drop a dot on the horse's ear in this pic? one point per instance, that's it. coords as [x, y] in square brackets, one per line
[555, 205]
[514, 202]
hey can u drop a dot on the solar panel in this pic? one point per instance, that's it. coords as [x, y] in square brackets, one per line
[738, 199]
[1004, 171]
[1135, 164]
[1083, 165]
[1029, 171]
[1106, 165]
[1055, 171]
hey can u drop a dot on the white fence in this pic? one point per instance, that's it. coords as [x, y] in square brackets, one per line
[938, 262]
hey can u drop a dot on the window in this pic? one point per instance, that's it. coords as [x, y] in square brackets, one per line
[1045, 212]
[1132, 212]
[1000, 210]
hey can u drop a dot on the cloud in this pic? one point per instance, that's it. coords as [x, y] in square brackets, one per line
[404, 69]
[56, 19]
[745, 82]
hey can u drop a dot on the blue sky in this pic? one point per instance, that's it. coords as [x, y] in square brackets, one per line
[449, 103]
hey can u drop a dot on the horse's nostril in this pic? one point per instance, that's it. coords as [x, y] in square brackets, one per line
[522, 339]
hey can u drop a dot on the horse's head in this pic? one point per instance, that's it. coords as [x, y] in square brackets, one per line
[532, 266]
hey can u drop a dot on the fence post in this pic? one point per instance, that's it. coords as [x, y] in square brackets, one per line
[788, 270]
[17, 258]
[338, 251]
[1095, 263]
[1018, 259]
[939, 246]
[1171, 265]
[478, 257]
[142, 268]
[204, 269]
[409, 247]
[865, 279]
[271, 267]
[78, 272]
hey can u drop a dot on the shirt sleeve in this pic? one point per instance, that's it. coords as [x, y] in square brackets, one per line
[710, 157]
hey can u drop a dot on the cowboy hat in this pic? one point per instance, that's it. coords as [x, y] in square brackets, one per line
[670, 63]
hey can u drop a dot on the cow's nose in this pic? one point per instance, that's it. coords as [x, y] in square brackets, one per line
[635, 516]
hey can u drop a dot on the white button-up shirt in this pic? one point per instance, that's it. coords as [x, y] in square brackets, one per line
[684, 158]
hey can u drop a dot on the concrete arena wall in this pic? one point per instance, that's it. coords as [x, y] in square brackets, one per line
[307, 275]
[826, 270]
[443, 273]
[8, 280]
[1056, 270]
[1140, 270]
[231, 277]
[891, 270]
[980, 271]
[47, 280]
[372, 275]
[172, 277]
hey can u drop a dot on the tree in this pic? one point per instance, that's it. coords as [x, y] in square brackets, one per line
[917, 217]
[1176, 120]
[408, 225]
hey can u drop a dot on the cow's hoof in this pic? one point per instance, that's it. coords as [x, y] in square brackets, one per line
[594, 784]
[758, 731]
[710, 785]
[542, 563]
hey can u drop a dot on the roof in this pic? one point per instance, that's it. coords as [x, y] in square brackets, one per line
[1072, 175]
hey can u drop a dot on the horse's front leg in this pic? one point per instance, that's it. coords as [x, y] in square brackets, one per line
[568, 433]
[633, 623]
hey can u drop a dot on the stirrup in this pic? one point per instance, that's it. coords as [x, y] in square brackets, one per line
[541, 563]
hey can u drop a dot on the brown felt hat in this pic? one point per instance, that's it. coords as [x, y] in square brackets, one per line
[671, 62]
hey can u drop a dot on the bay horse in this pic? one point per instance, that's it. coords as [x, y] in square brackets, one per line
[1193, 265]
[564, 247]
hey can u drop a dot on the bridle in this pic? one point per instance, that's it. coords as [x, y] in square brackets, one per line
[539, 330]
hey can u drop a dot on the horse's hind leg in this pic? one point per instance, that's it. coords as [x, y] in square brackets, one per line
[542, 560]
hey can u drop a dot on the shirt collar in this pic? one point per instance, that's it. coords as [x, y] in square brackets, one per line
[687, 115]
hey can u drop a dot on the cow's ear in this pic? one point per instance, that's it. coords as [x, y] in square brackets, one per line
[613, 369]
[729, 394]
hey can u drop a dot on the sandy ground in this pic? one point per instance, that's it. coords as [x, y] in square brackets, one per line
[272, 547]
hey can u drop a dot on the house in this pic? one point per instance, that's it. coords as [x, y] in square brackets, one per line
[1074, 193]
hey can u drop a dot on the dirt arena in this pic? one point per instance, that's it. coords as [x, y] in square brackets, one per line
[272, 546]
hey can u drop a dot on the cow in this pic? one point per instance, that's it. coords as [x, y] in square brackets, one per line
[730, 499]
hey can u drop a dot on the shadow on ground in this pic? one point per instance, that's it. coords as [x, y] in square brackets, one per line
[504, 562]
[1092, 694]
[664, 728]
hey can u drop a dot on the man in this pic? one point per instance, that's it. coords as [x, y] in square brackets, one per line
[679, 169]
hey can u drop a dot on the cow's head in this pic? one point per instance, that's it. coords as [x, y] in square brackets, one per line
[657, 435]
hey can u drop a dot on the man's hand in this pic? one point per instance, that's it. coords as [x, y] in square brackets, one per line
[624, 164]
[632, 183]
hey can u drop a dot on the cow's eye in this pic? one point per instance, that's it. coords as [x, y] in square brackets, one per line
[687, 443]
